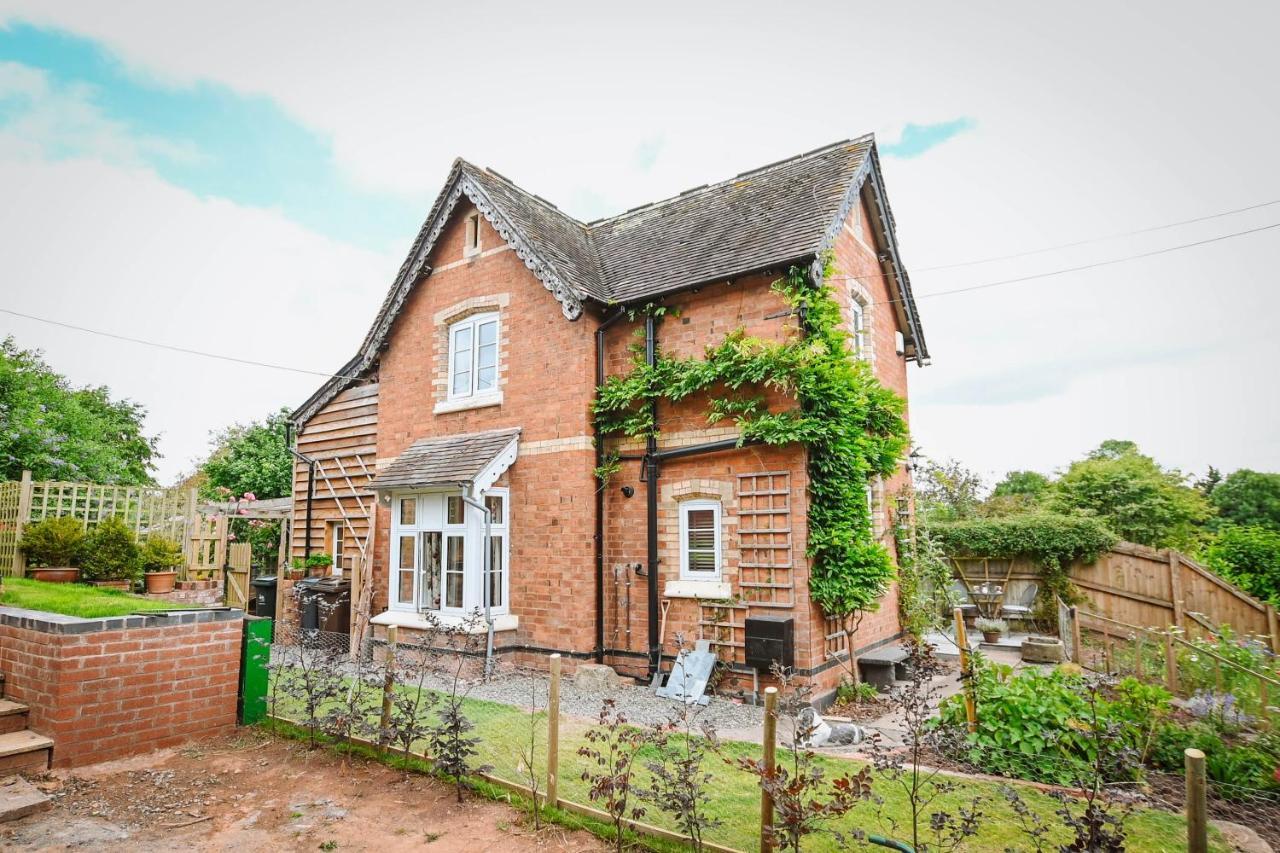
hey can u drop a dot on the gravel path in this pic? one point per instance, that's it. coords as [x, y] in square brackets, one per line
[638, 703]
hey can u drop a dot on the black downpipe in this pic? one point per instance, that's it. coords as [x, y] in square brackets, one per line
[599, 534]
[311, 486]
[651, 496]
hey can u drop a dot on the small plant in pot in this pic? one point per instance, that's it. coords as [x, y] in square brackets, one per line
[318, 565]
[297, 569]
[53, 548]
[992, 629]
[161, 558]
[111, 555]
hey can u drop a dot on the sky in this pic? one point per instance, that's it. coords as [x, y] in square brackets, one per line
[244, 179]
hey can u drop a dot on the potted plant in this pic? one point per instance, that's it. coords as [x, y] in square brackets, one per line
[111, 555]
[161, 558]
[297, 569]
[992, 629]
[318, 565]
[53, 548]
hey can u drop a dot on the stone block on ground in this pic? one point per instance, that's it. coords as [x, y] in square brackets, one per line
[19, 798]
[1042, 650]
[596, 678]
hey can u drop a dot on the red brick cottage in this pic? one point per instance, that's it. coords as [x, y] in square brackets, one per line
[477, 378]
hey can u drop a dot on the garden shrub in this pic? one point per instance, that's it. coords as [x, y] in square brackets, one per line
[1038, 725]
[56, 542]
[160, 554]
[111, 552]
[1229, 757]
[1250, 558]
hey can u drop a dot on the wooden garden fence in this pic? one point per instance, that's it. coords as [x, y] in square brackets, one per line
[147, 510]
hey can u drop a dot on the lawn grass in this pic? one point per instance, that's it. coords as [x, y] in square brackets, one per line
[735, 795]
[73, 599]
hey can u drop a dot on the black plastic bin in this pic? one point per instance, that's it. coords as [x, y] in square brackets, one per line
[264, 596]
[335, 594]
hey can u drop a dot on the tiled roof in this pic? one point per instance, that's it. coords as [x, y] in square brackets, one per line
[768, 218]
[444, 461]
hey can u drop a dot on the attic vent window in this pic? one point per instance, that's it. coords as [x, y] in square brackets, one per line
[472, 246]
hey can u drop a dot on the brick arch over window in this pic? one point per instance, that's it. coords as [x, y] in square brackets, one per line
[442, 321]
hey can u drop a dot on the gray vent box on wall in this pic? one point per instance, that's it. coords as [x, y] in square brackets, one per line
[770, 640]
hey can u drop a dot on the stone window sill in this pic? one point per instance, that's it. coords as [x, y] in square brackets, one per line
[413, 620]
[697, 589]
[462, 404]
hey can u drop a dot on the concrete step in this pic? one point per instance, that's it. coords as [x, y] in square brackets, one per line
[19, 798]
[25, 751]
[13, 716]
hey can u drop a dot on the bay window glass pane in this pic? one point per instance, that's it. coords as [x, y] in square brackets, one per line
[454, 512]
[408, 510]
[497, 509]
[430, 599]
[496, 571]
[404, 570]
[453, 571]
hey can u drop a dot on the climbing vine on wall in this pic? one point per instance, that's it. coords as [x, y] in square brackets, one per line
[850, 423]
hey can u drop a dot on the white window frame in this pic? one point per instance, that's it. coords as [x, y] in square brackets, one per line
[471, 530]
[685, 508]
[337, 541]
[857, 326]
[474, 322]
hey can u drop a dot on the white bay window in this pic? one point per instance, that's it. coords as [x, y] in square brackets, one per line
[438, 547]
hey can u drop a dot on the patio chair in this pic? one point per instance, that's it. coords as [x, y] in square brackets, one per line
[960, 595]
[1021, 609]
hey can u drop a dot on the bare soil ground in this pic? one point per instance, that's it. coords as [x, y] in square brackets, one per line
[254, 792]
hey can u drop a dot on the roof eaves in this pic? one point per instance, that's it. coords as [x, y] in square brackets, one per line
[903, 281]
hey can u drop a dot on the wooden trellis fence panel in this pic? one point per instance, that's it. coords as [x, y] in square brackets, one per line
[765, 562]
[725, 626]
[206, 547]
[147, 510]
[239, 560]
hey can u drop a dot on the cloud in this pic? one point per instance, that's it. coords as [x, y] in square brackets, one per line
[114, 247]
[916, 139]
[67, 96]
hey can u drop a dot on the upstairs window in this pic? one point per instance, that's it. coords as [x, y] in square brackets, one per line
[857, 327]
[473, 356]
[700, 540]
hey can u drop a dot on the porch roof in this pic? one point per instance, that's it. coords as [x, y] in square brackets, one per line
[473, 459]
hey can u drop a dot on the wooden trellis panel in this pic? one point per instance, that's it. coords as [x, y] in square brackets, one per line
[9, 527]
[239, 559]
[725, 626]
[147, 510]
[836, 639]
[764, 539]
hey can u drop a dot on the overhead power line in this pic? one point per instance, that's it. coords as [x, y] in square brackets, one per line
[966, 289]
[1100, 239]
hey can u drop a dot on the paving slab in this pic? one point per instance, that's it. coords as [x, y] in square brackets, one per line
[19, 798]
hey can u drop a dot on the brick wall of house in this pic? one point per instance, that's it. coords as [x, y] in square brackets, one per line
[545, 374]
[108, 688]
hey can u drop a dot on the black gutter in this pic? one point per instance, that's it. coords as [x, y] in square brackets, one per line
[311, 487]
[598, 539]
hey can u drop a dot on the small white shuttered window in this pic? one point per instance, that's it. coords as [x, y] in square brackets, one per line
[700, 540]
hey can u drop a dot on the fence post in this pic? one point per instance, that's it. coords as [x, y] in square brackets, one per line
[24, 511]
[1077, 652]
[1273, 629]
[388, 683]
[966, 671]
[770, 759]
[553, 734]
[1197, 814]
[1170, 664]
[1175, 586]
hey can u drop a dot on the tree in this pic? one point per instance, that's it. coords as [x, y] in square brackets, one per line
[1030, 484]
[1133, 496]
[948, 491]
[59, 432]
[251, 458]
[1249, 498]
[1250, 557]
[1209, 481]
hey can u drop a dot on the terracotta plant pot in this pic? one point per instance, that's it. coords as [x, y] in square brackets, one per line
[990, 636]
[160, 582]
[122, 584]
[54, 574]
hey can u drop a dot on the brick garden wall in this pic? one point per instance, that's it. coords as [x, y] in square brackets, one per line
[107, 688]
